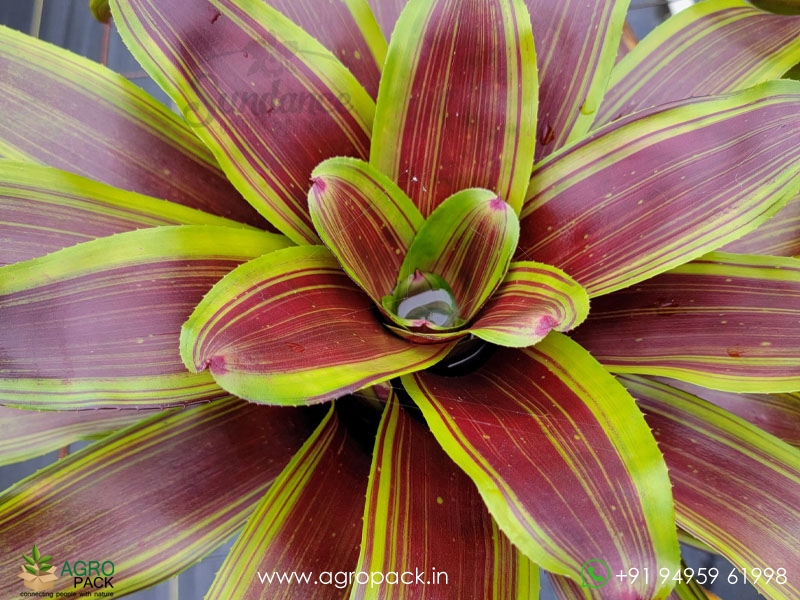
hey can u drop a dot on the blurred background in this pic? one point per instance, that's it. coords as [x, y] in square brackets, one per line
[69, 24]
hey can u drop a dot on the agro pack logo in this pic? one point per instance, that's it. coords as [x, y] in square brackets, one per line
[37, 572]
[91, 574]
[89, 578]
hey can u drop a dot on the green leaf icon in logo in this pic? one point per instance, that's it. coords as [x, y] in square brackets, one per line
[37, 564]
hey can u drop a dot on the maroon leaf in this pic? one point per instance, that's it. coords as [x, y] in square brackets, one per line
[457, 104]
[309, 522]
[291, 327]
[726, 321]
[73, 114]
[576, 44]
[418, 503]
[163, 493]
[347, 30]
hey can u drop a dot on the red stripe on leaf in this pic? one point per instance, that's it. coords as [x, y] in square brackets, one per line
[75, 115]
[653, 191]
[726, 321]
[719, 48]
[418, 503]
[175, 487]
[458, 110]
[562, 458]
[269, 100]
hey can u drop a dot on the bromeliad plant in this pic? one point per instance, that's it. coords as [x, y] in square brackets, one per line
[445, 211]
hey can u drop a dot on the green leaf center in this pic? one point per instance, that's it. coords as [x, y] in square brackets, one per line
[427, 297]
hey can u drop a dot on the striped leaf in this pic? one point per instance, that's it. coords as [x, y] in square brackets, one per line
[667, 187]
[457, 103]
[726, 321]
[308, 522]
[43, 209]
[26, 434]
[780, 236]
[710, 48]
[365, 220]
[154, 498]
[468, 241]
[89, 120]
[348, 29]
[532, 300]
[418, 504]
[576, 44]
[98, 324]
[387, 12]
[270, 100]
[777, 414]
[291, 328]
[562, 458]
[736, 488]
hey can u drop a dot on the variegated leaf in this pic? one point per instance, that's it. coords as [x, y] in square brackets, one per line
[532, 300]
[777, 414]
[98, 324]
[89, 120]
[736, 488]
[653, 191]
[270, 100]
[710, 48]
[172, 489]
[345, 27]
[725, 321]
[387, 12]
[26, 434]
[43, 210]
[780, 236]
[457, 103]
[365, 220]
[562, 458]
[468, 241]
[309, 522]
[292, 328]
[418, 503]
[576, 45]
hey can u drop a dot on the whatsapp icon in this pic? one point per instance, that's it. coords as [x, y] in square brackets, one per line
[595, 573]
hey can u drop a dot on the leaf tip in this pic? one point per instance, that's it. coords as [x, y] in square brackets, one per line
[498, 204]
